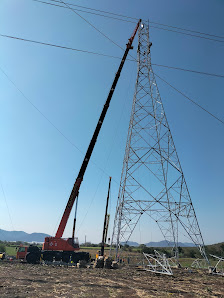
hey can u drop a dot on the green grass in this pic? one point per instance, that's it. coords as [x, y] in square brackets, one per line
[11, 250]
[92, 247]
[186, 262]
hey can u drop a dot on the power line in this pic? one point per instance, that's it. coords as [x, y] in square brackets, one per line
[39, 111]
[57, 46]
[132, 18]
[94, 13]
[184, 29]
[95, 28]
[191, 100]
[94, 9]
[6, 204]
[189, 70]
[105, 55]
[52, 124]
[184, 33]
[102, 170]
[107, 37]
[115, 42]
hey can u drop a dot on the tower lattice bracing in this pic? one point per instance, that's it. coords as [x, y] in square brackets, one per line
[152, 180]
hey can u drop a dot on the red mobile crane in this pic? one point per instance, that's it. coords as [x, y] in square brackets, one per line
[65, 249]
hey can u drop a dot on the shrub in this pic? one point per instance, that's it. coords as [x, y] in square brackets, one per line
[2, 247]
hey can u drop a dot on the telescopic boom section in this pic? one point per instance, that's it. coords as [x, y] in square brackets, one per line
[85, 162]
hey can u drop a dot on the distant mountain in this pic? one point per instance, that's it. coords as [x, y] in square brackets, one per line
[164, 244]
[21, 236]
[158, 244]
[39, 237]
[130, 243]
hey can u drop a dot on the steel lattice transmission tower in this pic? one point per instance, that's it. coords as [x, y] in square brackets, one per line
[152, 180]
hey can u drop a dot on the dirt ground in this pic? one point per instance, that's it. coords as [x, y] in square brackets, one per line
[25, 280]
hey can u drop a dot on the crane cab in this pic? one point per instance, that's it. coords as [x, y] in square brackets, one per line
[60, 244]
[21, 252]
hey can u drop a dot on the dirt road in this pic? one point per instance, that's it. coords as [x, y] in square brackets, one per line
[23, 280]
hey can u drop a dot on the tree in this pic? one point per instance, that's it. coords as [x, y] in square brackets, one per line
[126, 246]
[141, 248]
[222, 248]
[180, 249]
[191, 253]
[2, 247]
[148, 250]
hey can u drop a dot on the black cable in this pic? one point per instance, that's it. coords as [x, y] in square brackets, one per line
[49, 121]
[109, 56]
[94, 13]
[189, 70]
[35, 107]
[61, 1]
[189, 34]
[58, 46]
[191, 100]
[7, 205]
[156, 75]
[103, 11]
[193, 31]
[128, 17]
[107, 37]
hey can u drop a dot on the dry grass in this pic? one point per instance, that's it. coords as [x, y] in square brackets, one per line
[24, 280]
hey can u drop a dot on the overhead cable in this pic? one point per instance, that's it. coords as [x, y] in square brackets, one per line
[191, 100]
[57, 46]
[94, 27]
[184, 33]
[128, 19]
[190, 70]
[105, 55]
[90, 12]
[52, 124]
[106, 36]
[7, 205]
[94, 9]
[188, 30]
[113, 57]
[39, 111]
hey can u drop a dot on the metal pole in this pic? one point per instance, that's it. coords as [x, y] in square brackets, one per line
[105, 220]
[74, 223]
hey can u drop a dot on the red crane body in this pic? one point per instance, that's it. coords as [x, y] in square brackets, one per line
[57, 243]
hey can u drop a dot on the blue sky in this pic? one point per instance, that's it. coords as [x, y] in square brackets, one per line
[39, 165]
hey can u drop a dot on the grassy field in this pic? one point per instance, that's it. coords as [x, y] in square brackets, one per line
[11, 250]
[133, 256]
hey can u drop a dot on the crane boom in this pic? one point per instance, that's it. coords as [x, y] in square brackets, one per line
[86, 159]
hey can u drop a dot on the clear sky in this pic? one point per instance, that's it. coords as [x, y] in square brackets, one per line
[38, 165]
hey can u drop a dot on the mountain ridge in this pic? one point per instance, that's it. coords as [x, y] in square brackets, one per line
[22, 236]
[162, 243]
[39, 237]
